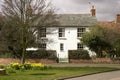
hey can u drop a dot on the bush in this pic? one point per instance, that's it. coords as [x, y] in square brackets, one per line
[79, 54]
[6, 55]
[2, 66]
[41, 54]
[27, 66]
[9, 69]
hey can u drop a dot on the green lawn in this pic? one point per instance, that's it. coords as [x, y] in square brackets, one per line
[52, 73]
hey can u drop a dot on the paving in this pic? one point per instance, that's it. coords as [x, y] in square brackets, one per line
[114, 75]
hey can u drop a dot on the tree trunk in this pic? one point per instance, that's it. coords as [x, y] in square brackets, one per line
[23, 56]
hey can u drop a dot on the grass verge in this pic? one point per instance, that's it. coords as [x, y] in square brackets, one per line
[53, 73]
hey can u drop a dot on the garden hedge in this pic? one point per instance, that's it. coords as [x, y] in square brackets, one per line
[79, 54]
[41, 54]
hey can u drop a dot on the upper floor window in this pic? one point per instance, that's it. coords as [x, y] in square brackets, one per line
[61, 32]
[80, 32]
[43, 32]
[80, 46]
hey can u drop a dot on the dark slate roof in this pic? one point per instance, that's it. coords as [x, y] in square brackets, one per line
[77, 20]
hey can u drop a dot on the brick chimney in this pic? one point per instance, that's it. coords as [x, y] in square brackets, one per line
[93, 11]
[118, 18]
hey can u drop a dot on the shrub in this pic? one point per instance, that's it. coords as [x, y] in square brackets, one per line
[9, 69]
[2, 66]
[6, 55]
[79, 54]
[27, 66]
[41, 54]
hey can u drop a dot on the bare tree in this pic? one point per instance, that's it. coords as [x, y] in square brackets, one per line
[24, 19]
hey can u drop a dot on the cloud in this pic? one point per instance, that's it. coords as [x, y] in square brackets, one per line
[106, 9]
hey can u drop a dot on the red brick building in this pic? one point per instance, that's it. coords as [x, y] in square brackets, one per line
[111, 24]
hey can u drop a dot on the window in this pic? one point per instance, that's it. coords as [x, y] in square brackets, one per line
[61, 47]
[80, 32]
[61, 32]
[80, 46]
[43, 32]
[42, 46]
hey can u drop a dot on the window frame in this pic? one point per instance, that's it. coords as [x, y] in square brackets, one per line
[80, 46]
[80, 31]
[43, 46]
[61, 33]
[43, 32]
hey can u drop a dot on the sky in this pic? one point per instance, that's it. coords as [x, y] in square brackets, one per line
[106, 10]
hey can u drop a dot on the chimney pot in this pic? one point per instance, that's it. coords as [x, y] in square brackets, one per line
[118, 18]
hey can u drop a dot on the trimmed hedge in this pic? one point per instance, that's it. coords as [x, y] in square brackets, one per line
[78, 54]
[41, 54]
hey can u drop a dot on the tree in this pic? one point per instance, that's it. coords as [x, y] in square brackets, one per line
[24, 19]
[114, 38]
[95, 40]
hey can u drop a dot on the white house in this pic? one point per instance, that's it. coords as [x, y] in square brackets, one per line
[66, 36]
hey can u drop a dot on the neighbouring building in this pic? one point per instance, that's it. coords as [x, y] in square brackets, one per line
[111, 24]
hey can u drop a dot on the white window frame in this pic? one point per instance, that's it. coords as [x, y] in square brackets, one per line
[43, 32]
[80, 31]
[80, 46]
[61, 33]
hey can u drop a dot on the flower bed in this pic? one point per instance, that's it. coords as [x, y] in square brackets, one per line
[28, 66]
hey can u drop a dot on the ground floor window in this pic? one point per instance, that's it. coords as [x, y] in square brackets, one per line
[43, 46]
[80, 46]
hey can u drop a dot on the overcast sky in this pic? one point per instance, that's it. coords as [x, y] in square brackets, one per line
[106, 9]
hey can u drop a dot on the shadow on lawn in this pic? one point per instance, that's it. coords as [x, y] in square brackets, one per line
[43, 74]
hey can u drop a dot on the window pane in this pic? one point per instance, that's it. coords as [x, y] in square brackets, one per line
[43, 32]
[81, 29]
[60, 29]
[60, 34]
[80, 34]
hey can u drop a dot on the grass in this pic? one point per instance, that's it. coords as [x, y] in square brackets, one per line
[53, 73]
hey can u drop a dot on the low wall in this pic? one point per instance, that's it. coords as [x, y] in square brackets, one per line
[7, 61]
[97, 60]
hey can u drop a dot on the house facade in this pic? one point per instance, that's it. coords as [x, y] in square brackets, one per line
[66, 36]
